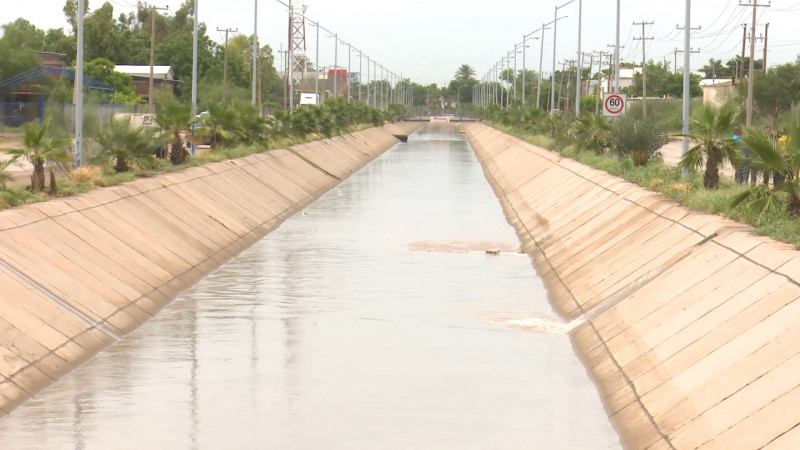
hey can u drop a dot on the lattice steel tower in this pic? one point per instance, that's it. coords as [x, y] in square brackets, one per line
[297, 48]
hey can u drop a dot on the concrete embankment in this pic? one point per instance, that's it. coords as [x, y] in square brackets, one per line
[689, 324]
[77, 274]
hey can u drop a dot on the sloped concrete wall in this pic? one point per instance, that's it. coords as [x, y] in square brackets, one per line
[79, 273]
[689, 324]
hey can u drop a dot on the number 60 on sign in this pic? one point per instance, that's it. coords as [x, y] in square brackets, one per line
[614, 104]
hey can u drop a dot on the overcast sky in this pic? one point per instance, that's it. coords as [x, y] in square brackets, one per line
[428, 40]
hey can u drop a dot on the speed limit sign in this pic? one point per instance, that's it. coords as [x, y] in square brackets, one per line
[614, 104]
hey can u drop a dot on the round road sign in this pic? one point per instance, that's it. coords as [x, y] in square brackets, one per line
[614, 104]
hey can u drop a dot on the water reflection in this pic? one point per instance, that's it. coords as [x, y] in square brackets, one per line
[337, 332]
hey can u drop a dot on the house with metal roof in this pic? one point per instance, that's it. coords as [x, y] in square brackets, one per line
[163, 78]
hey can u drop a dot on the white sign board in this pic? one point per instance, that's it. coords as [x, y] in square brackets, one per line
[308, 99]
[444, 119]
[614, 104]
[147, 120]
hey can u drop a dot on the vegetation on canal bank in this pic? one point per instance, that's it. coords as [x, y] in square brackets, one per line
[628, 147]
[119, 152]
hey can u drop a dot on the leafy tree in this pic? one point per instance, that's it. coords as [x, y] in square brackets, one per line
[663, 83]
[465, 72]
[711, 127]
[124, 145]
[776, 90]
[40, 149]
[714, 69]
[17, 46]
[102, 70]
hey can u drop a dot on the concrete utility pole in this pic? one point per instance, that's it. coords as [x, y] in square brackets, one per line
[316, 68]
[225, 65]
[751, 71]
[766, 34]
[615, 66]
[744, 46]
[335, 65]
[687, 56]
[255, 53]
[676, 51]
[194, 66]
[153, 9]
[579, 65]
[539, 75]
[616, 54]
[644, 65]
[79, 88]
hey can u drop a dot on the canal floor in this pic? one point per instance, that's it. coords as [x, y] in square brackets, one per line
[374, 319]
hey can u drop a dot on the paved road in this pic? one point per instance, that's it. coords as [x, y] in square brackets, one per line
[672, 155]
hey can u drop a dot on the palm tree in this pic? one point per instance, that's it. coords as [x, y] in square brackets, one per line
[252, 125]
[465, 72]
[173, 120]
[593, 132]
[5, 177]
[40, 149]
[779, 157]
[711, 127]
[221, 124]
[124, 145]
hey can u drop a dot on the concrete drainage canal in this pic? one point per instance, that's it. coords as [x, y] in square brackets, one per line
[394, 312]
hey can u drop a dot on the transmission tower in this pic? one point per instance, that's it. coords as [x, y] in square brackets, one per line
[297, 47]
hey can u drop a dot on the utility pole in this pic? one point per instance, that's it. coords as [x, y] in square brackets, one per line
[284, 55]
[616, 54]
[539, 75]
[644, 65]
[153, 9]
[578, 64]
[255, 53]
[766, 34]
[744, 45]
[615, 67]
[78, 89]
[195, 32]
[687, 54]
[677, 50]
[225, 65]
[751, 70]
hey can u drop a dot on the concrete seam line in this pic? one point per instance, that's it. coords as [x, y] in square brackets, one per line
[60, 301]
[314, 165]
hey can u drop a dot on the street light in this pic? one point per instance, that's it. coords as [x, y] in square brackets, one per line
[555, 36]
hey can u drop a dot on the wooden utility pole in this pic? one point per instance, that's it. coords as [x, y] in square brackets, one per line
[751, 71]
[225, 65]
[644, 65]
[153, 9]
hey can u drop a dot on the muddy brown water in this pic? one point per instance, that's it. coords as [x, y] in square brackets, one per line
[374, 319]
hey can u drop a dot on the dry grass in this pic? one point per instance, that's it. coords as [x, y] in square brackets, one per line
[86, 174]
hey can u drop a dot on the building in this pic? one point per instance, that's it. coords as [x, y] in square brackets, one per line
[718, 92]
[163, 78]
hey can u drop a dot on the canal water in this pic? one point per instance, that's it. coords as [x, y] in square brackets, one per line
[374, 319]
